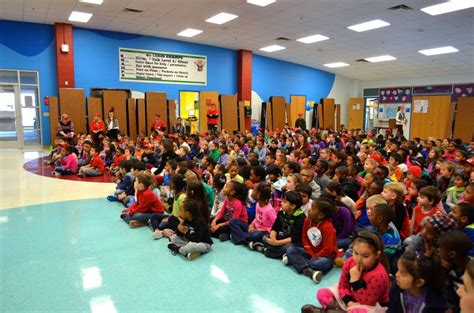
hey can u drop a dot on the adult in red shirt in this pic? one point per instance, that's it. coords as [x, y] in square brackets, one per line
[97, 128]
[146, 203]
[158, 124]
[212, 118]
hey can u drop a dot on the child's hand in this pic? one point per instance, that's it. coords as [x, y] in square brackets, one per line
[445, 264]
[251, 228]
[121, 196]
[168, 233]
[352, 303]
[355, 273]
[272, 241]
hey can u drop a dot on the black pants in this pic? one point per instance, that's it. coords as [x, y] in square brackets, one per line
[212, 128]
[399, 130]
[113, 133]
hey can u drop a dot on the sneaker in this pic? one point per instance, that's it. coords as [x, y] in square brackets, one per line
[285, 260]
[257, 246]
[157, 234]
[309, 308]
[174, 248]
[316, 276]
[136, 224]
[54, 173]
[224, 237]
[112, 198]
[192, 255]
[339, 262]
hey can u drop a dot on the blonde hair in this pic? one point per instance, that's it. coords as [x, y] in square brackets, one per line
[296, 177]
[396, 188]
[375, 199]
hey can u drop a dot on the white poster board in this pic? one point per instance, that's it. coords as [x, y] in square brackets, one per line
[162, 67]
[421, 106]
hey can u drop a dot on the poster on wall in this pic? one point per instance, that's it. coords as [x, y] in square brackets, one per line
[420, 106]
[395, 95]
[462, 90]
[162, 67]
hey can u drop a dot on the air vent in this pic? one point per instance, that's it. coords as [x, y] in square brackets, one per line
[401, 7]
[129, 10]
[282, 39]
[362, 61]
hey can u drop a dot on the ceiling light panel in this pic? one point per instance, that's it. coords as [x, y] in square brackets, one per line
[221, 18]
[81, 17]
[272, 48]
[381, 58]
[189, 32]
[261, 3]
[312, 39]
[336, 64]
[368, 25]
[447, 7]
[440, 50]
[98, 2]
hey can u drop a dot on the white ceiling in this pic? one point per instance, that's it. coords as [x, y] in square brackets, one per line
[258, 27]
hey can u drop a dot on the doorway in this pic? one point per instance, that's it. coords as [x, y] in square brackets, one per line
[371, 107]
[189, 110]
[20, 112]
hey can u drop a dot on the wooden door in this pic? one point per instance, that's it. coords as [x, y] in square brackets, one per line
[172, 113]
[338, 116]
[155, 103]
[356, 113]
[204, 97]
[269, 115]
[278, 112]
[228, 109]
[297, 106]
[464, 124]
[117, 99]
[328, 108]
[436, 122]
[71, 102]
[132, 118]
[142, 122]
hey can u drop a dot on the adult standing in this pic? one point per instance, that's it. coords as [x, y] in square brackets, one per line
[178, 128]
[300, 122]
[400, 120]
[212, 119]
[112, 125]
[66, 128]
[97, 128]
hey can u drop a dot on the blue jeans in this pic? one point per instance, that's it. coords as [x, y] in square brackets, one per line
[156, 220]
[344, 243]
[256, 236]
[238, 230]
[141, 217]
[63, 171]
[300, 260]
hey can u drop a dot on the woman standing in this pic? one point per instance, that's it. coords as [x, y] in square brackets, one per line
[112, 125]
[66, 128]
[400, 120]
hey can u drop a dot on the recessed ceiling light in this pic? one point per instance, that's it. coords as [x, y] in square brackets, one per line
[336, 64]
[261, 3]
[313, 38]
[381, 58]
[272, 48]
[368, 25]
[450, 6]
[190, 32]
[98, 2]
[80, 17]
[221, 18]
[440, 50]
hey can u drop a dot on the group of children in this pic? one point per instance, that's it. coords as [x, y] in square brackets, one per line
[396, 215]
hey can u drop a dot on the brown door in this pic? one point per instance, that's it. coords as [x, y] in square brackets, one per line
[463, 124]
[436, 121]
[356, 113]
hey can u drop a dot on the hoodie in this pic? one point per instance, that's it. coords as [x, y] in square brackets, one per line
[435, 302]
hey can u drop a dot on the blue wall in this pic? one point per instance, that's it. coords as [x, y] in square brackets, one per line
[271, 77]
[31, 46]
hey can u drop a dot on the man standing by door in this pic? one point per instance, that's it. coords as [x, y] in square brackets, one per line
[400, 120]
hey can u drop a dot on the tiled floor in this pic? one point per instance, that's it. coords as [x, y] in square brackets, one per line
[67, 254]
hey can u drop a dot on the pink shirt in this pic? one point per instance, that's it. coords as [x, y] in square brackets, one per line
[70, 162]
[232, 209]
[264, 217]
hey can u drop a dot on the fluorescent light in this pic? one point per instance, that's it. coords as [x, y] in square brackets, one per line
[272, 48]
[450, 6]
[313, 38]
[221, 18]
[98, 2]
[261, 3]
[336, 64]
[368, 25]
[190, 32]
[80, 17]
[440, 50]
[381, 58]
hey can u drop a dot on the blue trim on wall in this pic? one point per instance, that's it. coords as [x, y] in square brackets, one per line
[30, 46]
[271, 77]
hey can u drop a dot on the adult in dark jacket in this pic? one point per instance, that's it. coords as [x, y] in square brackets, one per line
[167, 153]
[178, 127]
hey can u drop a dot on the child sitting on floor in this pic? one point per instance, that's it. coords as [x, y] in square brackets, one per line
[68, 164]
[319, 243]
[192, 237]
[463, 213]
[95, 167]
[264, 218]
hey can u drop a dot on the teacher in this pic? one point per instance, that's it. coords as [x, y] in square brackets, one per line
[112, 125]
[66, 128]
[400, 120]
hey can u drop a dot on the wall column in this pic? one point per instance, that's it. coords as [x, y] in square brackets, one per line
[64, 60]
[244, 79]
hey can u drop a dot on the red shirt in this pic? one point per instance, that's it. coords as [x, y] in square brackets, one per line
[419, 215]
[159, 125]
[212, 117]
[98, 163]
[147, 202]
[97, 126]
[319, 239]
[118, 160]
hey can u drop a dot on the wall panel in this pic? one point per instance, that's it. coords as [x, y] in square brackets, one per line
[278, 111]
[53, 117]
[464, 124]
[297, 106]
[71, 102]
[142, 123]
[213, 96]
[171, 113]
[117, 99]
[132, 117]
[155, 103]
[436, 122]
[328, 117]
[356, 113]
[229, 114]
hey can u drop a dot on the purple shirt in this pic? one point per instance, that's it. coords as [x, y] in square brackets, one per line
[343, 222]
